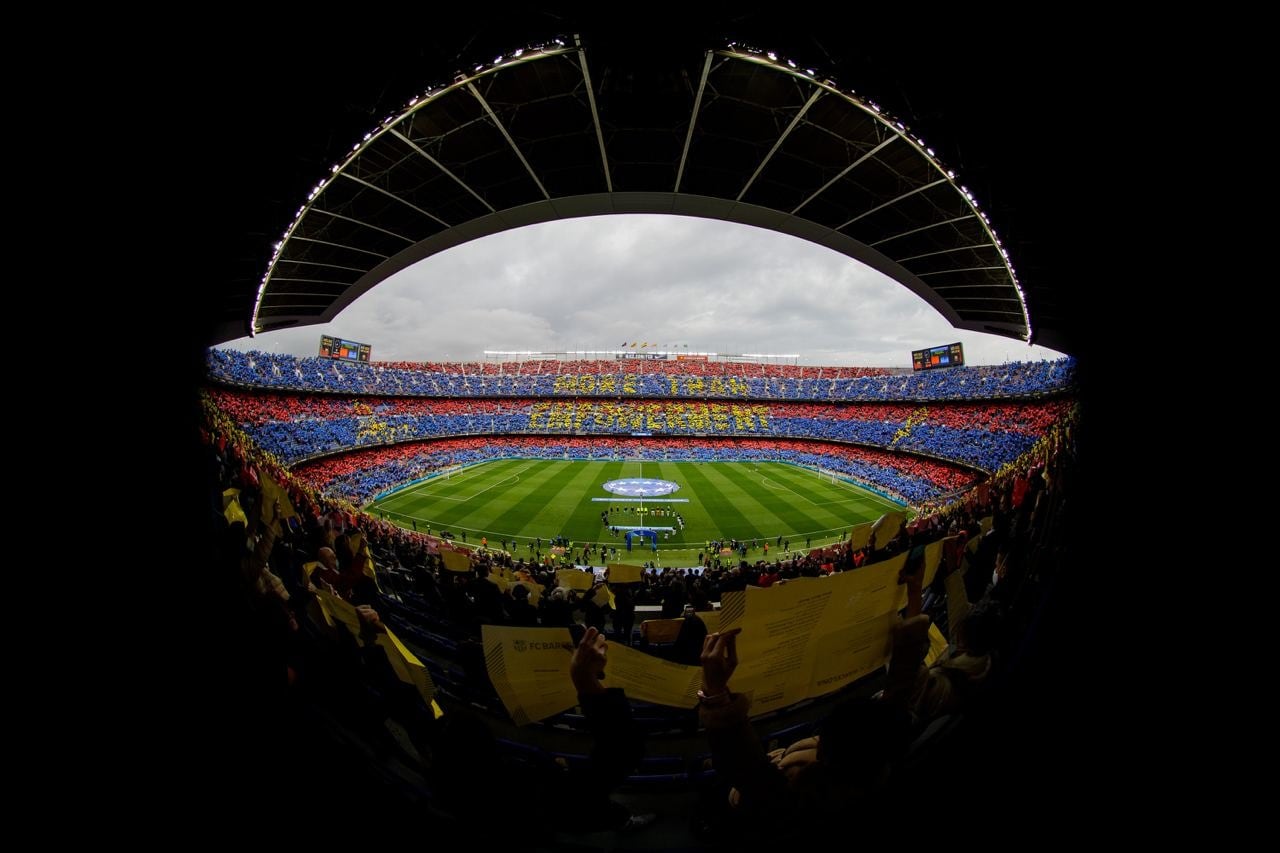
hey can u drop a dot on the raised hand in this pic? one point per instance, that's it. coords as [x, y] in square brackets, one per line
[719, 660]
[369, 616]
[586, 668]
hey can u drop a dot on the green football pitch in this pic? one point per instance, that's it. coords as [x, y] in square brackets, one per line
[524, 499]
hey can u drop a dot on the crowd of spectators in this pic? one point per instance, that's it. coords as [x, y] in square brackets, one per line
[708, 380]
[858, 761]
[1014, 487]
[296, 427]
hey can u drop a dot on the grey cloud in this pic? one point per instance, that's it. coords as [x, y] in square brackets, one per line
[596, 282]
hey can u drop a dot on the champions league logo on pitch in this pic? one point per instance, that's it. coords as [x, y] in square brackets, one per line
[640, 487]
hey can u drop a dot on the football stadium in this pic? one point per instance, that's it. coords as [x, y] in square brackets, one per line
[672, 598]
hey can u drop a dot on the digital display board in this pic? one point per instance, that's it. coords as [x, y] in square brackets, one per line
[949, 355]
[344, 350]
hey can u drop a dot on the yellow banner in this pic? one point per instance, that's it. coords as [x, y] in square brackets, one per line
[407, 666]
[574, 579]
[529, 668]
[773, 646]
[801, 639]
[937, 645]
[337, 609]
[360, 545]
[651, 679]
[887, 526]
[933, 558]
[661, 630]
[710, 618]
[860, 536]
[733, 607]
[318, 614]
[271, 492]
[848, 652]
[456, 561]
[535, 590]
[811, 636]
[872, 590]
[624, 573]
[957, 600]
[233, 512]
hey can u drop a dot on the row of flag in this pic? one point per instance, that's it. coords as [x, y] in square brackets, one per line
[643, 344]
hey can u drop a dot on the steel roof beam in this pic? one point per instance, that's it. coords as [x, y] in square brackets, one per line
[392, 195]
[962, 269]
[595, 116]
[818, 93]
[921, 228]
[946, 251]
[363, 223]
[892, 201]
[846, 170]
[498, 124]
[434, 162]
[693, 119]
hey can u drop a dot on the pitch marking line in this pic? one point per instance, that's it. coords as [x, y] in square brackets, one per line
[511, 479]
[425, 488]
[870, 496]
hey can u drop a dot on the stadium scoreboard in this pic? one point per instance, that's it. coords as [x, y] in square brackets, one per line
[344, 350]
[949, 355]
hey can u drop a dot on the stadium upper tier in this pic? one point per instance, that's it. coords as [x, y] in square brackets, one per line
[361, 475]
[706, 380]
[295, 427]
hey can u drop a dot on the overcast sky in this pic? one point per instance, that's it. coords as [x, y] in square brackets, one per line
[596, 282]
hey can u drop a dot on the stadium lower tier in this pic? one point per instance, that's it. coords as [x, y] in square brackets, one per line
[985, 435]
[363, 474]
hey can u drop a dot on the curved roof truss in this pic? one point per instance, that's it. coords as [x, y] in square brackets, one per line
[552, 132]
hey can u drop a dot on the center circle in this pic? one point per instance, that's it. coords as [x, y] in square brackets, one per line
[641, 487]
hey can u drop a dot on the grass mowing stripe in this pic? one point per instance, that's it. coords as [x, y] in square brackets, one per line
[842, 494]
[584, 517]
[631, 468]
[527, 498]
[468, 481]
[728, 520]
[421, 502]
[552, 515]
[779, 512]
[460, 513]
[509, 505]
[809, 491]
[865, 507]
[699, 525]
[433, 500]
[795, 514]
[806, 496]
[830, 495]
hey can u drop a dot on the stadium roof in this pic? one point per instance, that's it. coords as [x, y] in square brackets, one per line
[569, 127]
